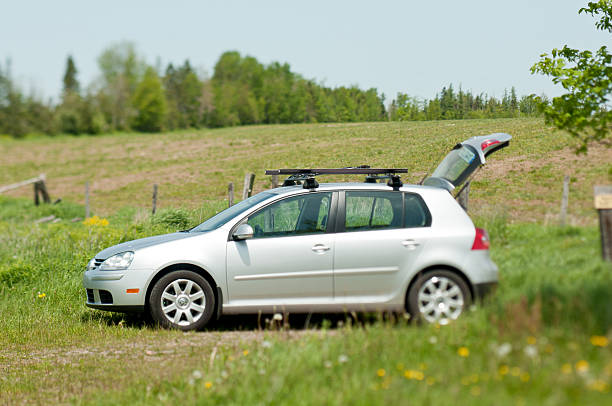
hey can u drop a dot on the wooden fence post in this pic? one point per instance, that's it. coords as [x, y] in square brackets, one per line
[87, 200]
[249, 179]
[230, 194]
[463, 196]
[564, 199]
[274, 180]
[154, 199]
[603, 204]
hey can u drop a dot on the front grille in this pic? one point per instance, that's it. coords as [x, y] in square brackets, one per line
[105, 297]
[90, 296]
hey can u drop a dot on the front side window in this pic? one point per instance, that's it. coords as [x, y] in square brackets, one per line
[304, 214]
[373, 210]
[226, 215]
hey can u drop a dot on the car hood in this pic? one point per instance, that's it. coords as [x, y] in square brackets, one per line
[142, 243]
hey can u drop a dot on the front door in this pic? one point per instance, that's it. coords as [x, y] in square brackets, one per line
[289, 260]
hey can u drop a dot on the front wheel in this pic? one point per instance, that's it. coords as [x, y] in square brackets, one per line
[438, 296]
[183, 300]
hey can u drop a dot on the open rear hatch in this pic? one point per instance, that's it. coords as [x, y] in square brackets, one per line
[464, 159]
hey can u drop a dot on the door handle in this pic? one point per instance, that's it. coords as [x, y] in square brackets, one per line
[320, 248]
[410, 244]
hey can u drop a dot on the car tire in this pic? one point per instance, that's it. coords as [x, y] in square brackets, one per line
[182, 300]
[438, 296]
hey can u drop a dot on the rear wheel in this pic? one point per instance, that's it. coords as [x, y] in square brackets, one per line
[438, 296]
[183, 300]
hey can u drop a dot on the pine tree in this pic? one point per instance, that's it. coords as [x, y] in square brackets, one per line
[71, 84]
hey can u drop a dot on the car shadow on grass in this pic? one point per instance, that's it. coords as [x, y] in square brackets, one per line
[251, 322]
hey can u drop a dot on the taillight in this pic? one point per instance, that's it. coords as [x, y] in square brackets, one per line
[486, 144]
[481, 241]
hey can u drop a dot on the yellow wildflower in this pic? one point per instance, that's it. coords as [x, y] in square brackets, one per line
[41, 295]
[245, 352]
[599, 386]
[599, 341]
[208, 384]
[418, 375]
[531, 340]
[463, 352]
[582, 366]
[566, 368]
[525, 377]
[95, 221]
[381, 372]
[503, 370]
[474, 378]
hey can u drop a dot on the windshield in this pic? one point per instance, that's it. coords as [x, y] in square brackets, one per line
[457, 165]
[226, 215]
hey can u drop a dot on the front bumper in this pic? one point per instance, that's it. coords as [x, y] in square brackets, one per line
[120, 291]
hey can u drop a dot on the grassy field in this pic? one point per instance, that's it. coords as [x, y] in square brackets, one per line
[195, 166]
[544, 338]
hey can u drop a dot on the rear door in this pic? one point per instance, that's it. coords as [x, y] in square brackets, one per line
[464, 159]
[380, 234]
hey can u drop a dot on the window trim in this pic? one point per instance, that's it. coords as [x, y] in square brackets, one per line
[341, 212]
[330, 227]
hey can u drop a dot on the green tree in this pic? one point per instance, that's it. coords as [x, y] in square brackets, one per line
[150, 103]
[584, 110]
[71, 84]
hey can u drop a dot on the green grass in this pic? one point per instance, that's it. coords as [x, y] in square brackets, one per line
[555, 292]
[195, 166]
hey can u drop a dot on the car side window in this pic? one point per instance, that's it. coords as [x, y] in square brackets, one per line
[373, 210]
[415, 211]
[303, 214]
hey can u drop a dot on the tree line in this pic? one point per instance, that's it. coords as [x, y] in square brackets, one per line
[131, 95]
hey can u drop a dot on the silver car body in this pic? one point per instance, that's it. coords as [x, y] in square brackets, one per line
[361, 270]
[336, 269]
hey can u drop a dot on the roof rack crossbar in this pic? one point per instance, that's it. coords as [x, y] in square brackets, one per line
[307, 176]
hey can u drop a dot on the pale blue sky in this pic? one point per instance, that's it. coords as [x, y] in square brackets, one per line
[411, 46]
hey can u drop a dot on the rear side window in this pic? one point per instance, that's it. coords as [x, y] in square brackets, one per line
[374, 210]
[415, 211]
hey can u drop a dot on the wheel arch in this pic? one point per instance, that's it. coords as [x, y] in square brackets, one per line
[187, 267]
[444, 267]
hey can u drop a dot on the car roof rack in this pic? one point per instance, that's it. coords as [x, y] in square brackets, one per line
[307, 176]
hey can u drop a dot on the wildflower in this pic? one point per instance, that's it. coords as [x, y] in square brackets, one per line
[463, 352]
[515, 371]
[327, 364]
[531, 351]
[381, 372]
[525, 377]
[475, 390]
[582, 366]
[474, 378]
[433, 339]
[503, 350]
[245, 352]
[95, 221]
[531, 340]
[342, 359]
[599, 341]
[266, 344]
[196, 374]
[566, 368]
[503, 370]
[41, 295]
[277, 317]
[599, 386]
[208, 384]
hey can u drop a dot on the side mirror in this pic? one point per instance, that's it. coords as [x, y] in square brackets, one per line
[243, 232]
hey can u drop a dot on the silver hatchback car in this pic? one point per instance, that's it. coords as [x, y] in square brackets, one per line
[309, 247]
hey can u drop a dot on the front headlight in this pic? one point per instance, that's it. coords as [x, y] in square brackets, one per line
[118, 262]
[91, 265]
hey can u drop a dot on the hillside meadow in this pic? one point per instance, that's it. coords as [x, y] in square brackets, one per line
[544, 338]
